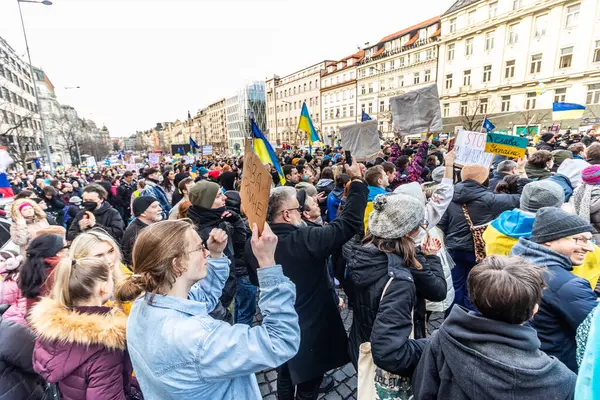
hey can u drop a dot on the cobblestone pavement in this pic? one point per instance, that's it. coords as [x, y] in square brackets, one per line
[345, 377]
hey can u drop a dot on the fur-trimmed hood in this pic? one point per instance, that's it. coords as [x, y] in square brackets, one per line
[82, 325]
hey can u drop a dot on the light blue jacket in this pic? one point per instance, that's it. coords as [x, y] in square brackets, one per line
[179, 352]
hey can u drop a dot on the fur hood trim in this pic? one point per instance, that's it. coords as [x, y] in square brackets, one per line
[51, 321]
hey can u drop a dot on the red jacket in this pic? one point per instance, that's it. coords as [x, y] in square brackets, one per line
[82, 349]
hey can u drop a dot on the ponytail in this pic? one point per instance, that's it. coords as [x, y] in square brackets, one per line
[75, 280]
[34, 272]
[129, 289]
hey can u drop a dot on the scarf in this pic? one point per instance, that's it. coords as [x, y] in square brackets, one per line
[582, 199]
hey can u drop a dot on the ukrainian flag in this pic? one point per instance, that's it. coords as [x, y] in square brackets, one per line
[305, 124]
[264, 151]
[562, 111]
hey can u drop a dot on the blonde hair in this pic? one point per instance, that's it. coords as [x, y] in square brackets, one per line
[84, 243]
[154, 251]
[75, 280]
[15, 214]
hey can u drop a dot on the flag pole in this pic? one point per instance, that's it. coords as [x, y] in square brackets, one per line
[483, 123]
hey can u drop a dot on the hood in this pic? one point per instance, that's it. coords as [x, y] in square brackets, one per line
[572, 170]
[562, 180]
[366, 264]
[60, 329]
[468, 191]
[412, 189]
[102, 210]
[324, 183]
[540, 255]
[514, 223]
[487, 357]
[534, 172]
[374, 191]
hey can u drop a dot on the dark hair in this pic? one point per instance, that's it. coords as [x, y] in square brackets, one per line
[127, 174]
[506, 166]
[34, 271]
[327, 173]
[49, 191]
[97, 177]
[373, 174]
[506, 288]
[183, 183]
[577, 148]
[341, 180]
[508, 185]
[593, 152]
[287, 169]
[24, 194]
[96, 188]
[540, 158]
[166, 183]
[149, 171]
[403, 247]
[402, 161]
[388, 167]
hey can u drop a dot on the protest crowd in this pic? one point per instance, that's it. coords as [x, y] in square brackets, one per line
[466, 281]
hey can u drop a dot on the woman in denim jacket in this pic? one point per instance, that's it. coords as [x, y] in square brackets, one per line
[177, 349]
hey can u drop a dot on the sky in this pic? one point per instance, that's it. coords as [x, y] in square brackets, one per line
[139, 62]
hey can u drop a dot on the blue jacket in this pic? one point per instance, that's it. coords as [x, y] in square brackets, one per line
[179, 352]
[566, 302]
[565, 184]
[333, 202]
[154, 190]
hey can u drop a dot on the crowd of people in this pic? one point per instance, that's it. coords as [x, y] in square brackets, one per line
[465, 282]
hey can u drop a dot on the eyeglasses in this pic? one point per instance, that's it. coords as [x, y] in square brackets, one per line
[203, 248]
[299, 209]
[583, 241]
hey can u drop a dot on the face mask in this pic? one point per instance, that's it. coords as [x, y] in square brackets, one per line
[160, 178]
[89, 205]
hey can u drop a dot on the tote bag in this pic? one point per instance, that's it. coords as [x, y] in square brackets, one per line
[376, 384]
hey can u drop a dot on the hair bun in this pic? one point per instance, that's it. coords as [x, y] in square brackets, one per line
[380, 202]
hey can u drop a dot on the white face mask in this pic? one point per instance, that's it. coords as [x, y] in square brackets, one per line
[160, 178]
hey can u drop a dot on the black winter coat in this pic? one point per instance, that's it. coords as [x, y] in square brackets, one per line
[131, 233]
[544, 146]
[18, 380]
[205, 220]
[107, 218]
[471, 357]
[303, 253]
[483, 205]
[369, 269]
[124, 193]
[496, 178]
[55, 208]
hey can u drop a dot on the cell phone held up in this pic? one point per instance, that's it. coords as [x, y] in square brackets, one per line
[348, 157]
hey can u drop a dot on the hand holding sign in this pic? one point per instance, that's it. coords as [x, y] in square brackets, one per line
[255, 189]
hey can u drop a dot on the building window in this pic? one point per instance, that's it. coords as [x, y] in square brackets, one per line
[467, 77]
[391, 83]
[449, 81]
[352, 110]
[487, 73]
[463, 108]
[471, 17]
[344, 112]
[513, 34]
[572, 16]
[310, 85]
[453, 25]
[566, 57]
[427, 77]
[509, 70]
[469, 47]
[401, 60]
[593, 94]
[450, 52]
[489, 40]
[381, 85]
[446, 109]
[381, 106]
[493, 9]
[362, 107]
[362, 73]
[560, 95]
[363, 89]
[483, 106]
[401, 81]
[418, 57]
[429, 54]
[540, 25]
[370, 108]
[416, 77]
[370, 88]
[536, 64]
[294, 89]
[596, 51]
[530, 101]
[516, 4]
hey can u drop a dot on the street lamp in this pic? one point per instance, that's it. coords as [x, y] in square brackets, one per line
[37, 97]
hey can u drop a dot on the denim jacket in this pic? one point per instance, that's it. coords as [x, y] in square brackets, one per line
[156, 191]
[179, 352]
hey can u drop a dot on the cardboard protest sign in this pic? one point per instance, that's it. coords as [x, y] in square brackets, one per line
[207, 149]
[417, 111]
[154, 158]
[131, 167]
[506, 145]
[255, 189]
[470, 149]
[362, 140]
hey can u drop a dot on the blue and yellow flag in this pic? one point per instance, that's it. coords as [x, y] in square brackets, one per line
[264, 151]
[305, 124]
[561, 111]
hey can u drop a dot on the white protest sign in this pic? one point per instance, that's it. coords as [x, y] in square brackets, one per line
[130, 167]
[362, 140]
[416, 112]
[470, 149]
[154, 158]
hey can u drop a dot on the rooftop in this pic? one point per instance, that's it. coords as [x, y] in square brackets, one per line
[420, 25]
[460, 4]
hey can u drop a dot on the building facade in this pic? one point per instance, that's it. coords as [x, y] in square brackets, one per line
[213, 127]
[511, 59]
[248, 101]
[339, 100]
[285, 97]
[20, 126]
[400, 62]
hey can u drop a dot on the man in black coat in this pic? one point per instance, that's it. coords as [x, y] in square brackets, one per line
[147, 211]
[302, 251]
[547, 142]
[505, 168]
[97, 212]
[124, 192]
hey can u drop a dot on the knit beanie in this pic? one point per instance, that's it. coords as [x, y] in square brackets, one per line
[591, 175]
[202, 171]
[547, 136]
[561, 155]
[552, 223]
[203, 193]
[541, 194]
[438, 174]
[412, 189]
[395, 215]
[475, 172]
[141, 204]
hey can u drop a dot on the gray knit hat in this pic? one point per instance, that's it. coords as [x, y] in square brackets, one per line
[438, 174]
[552, 223]
[395, 215]
[541, 194]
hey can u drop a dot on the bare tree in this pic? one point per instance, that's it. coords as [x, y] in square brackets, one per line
[472, 119]
[532, 118]
[70, 131]
[19, 136]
